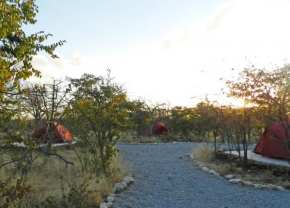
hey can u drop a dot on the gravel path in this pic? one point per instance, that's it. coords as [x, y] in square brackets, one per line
[165, 178]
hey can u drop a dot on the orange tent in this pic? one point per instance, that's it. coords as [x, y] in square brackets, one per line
[60, 134]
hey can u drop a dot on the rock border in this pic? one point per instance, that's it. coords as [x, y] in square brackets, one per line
[231, 178]
[118, 187]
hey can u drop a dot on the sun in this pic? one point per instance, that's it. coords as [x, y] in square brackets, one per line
[239, 102]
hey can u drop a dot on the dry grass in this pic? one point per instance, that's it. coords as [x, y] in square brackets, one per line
[128, 138]
[141, 139]
[203, 154]
[264, 176]
[206, 156]
[56, 185]
[254, 174]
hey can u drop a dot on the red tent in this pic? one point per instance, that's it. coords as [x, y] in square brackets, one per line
[275, 141]
[60, 134]
[156, 129]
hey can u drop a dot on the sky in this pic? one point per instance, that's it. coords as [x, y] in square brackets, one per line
[172, 51]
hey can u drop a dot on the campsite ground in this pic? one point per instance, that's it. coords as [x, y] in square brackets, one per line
[166, 177]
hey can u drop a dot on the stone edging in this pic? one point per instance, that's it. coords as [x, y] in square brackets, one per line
[231, 178]
[118, 187]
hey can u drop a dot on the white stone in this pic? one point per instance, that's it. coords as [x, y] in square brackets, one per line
[205, 169]
[103, 205]
[270, 186]
[235, 181]
[119, 187]
[259, 186]
[247, 183]
[280, 188]
[274, 187]
[214, 173]
[229, 176]
[240, 170]
[109, 204]
[201, 165]
[128, 180]
[110, 198]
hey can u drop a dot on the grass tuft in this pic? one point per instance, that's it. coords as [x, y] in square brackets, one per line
[205, 155]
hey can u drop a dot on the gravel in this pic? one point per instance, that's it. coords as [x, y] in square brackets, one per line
[165, 177]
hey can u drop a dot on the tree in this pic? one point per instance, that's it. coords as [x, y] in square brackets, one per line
[99, 114]
[17, 48]
[16, 53]
[269, 90]
[45, 103]
[181, 120]
[140, 116]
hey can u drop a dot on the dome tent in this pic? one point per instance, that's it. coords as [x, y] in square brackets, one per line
[275, 141]
[60, 134]
[156, 129]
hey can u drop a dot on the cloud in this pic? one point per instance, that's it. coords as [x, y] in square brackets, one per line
[252, 28]
[214, 23]
[58, 68]
[189, 63]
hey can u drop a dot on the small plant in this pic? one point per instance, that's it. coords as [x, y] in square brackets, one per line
[12, 194]
[206, 155]
[203, 154]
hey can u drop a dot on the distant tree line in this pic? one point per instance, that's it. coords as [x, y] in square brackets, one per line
[266, 96]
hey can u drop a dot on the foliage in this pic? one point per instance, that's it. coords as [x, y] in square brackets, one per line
[268, 90]
[99, 115]
[12, 193]
[16, 53]
[18, 48]
[181, 120]
[140, 116]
